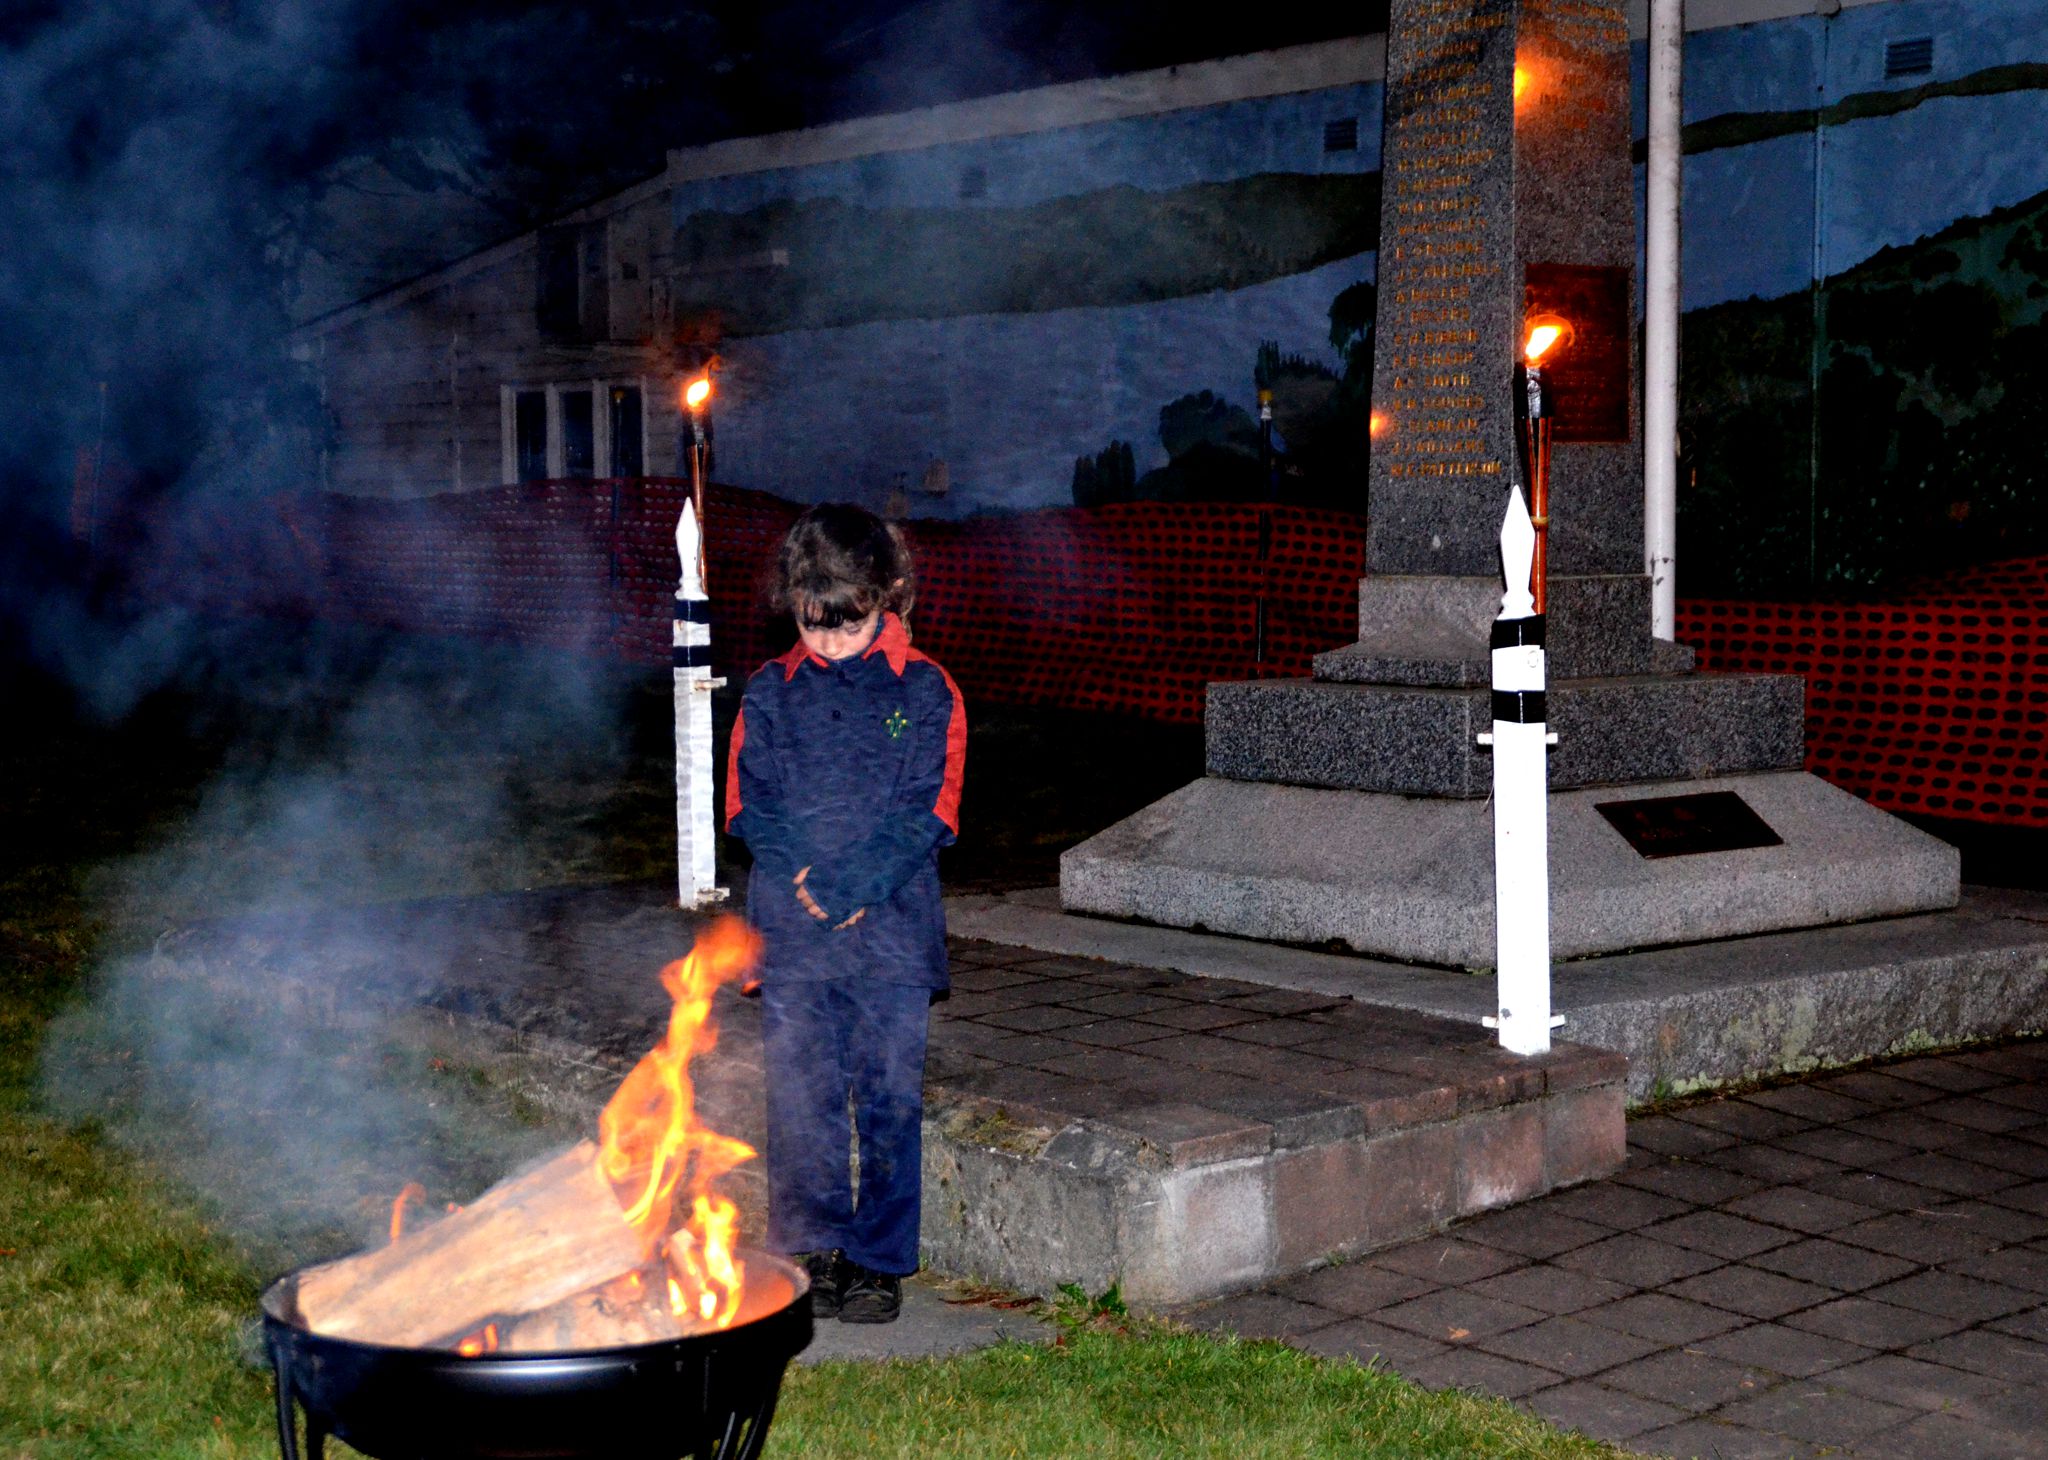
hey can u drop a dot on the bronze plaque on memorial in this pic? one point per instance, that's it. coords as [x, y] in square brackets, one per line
[1683, 826]
[1588, 378]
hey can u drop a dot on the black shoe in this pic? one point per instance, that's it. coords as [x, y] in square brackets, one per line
[828, 1271]
[870, 1296]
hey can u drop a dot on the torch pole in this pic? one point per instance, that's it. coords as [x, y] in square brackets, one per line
[696, 846]
[1536, 439]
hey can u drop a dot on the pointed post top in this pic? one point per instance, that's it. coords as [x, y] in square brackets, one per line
[689, 545]
[1517, 557]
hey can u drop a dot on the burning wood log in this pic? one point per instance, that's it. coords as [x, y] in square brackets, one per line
[628, 1310]
[526, 1244]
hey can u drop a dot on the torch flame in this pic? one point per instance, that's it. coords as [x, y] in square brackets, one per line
[483, 1342]
[411, 1191]
[697, 392]
[1546, 333]
[650, 1141]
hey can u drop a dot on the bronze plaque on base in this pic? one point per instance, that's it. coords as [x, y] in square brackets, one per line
[1682, 826]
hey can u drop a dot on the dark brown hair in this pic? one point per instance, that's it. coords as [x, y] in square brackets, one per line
[838, 564]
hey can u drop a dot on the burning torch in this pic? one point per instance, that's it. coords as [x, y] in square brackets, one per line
[696, 397]
[1521, 733]
[1547, 333]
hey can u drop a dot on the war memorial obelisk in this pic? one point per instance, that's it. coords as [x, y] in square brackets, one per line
[1348, 808]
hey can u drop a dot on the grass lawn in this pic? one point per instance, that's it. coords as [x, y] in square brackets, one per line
[128, 1291]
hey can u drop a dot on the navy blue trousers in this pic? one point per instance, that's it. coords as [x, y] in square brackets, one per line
[825, 1043]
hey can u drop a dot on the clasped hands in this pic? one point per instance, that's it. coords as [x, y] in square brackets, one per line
[810, 904]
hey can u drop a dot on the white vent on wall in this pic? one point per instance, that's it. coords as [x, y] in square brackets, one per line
[1914, 57]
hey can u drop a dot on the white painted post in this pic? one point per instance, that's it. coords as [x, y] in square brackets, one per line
[1521, 811]
[1660, 315]
[696, 864]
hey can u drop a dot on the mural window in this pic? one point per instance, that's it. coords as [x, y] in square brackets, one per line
[574, 428]
[530, 435]
[1341, 135]
[1914, 57]
[627, 444]
[572, 300]
[579, 434]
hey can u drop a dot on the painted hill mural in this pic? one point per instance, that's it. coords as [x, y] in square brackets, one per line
[1886, 424]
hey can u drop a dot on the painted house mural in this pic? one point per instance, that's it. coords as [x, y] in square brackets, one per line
[1078, 292]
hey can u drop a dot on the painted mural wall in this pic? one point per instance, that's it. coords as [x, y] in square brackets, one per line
[1866, 274]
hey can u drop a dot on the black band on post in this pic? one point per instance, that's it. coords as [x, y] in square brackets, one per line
[693, 611]
[1510, 632]
[692, 656]
[1519, 706]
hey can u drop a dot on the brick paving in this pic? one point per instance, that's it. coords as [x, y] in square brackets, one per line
[1853, 1265]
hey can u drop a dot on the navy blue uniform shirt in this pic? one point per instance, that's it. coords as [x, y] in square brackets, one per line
[852, 768]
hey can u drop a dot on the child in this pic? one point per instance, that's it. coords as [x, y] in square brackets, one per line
[844, 781]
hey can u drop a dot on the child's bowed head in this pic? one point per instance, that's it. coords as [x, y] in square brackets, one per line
[841, 563]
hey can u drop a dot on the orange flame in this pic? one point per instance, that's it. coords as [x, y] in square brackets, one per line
[697, 392]
[412, 1191]
[650, 1142]
[1547, 332]
[484, 1342]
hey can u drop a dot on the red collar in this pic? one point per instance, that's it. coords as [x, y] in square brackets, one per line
[892, 641]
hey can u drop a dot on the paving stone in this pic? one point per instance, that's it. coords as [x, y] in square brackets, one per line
[2015, 1061]
[1799, 1209]
[1691, 1181]
[1456, 1315]
[1121, 1003]
[1751, 1291]
[2003, 1356]
[2003, 1153]
[2027, 1323]
[1612, 1204]
[1114, 1033]
[1065, 966]
[1948, 1074]
[1832, 1264]
[1986, 1218]
[1639, 1261]
[1124, 976]
[1284, 1034]
[1663, 1317]
[1570, 1346]
[973, 979]
[1823, 1107]
[1446, 1260]
[1531, 1230]
[1955, 1295]
[1783, 1350]
[1917, 1238]
[1773, 1164]
[1810, 1411]
[1665, 1135]
[1946, 1173]
[1035, 1018]
[1355, 1288]
[1688, 1379]
[1284, 1001]
[1914, 1382]
[2029, 1096]
[2032, 1197]
[1873, 1324]
[1261, 1315]
[1832, 1143]
[1603, 1413]
[1951, 1437]
[1706, 1439]
[1911, 1127]
[1868, 1188]
[1874, 1087]
[1199, 1016]
[1721, 1233]
[1984, 1115]
[1552, 1289]
[2017, 1267]
[1462, 1368]
[1743, 1120]
[1367, 1341]
[1027, 1049]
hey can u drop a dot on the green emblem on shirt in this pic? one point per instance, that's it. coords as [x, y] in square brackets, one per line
[896, 724]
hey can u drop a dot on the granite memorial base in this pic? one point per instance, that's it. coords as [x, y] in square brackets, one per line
[1411, 879]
